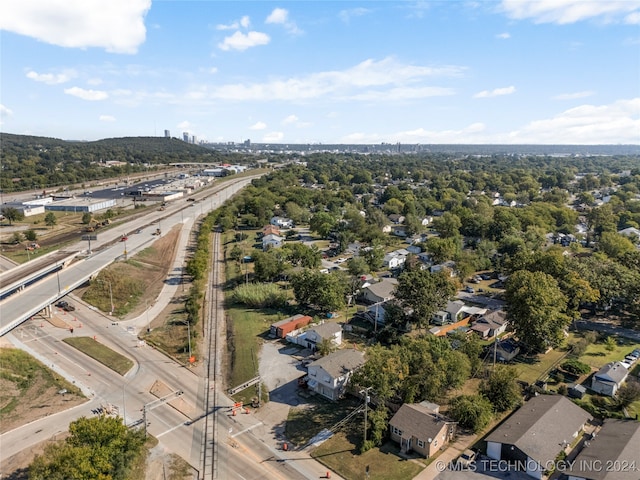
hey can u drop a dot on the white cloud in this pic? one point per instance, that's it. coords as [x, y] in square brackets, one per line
[632, 18]
[280, 16]
[4, 113]
[244, 22]
[384, 80]
[616, 123]
[273, 137]
[84, 94]
[258, 126]
[503, 36]
[107, 118]
[116, 25]
[184, 125]
[241, 41]
[295, 121]
[94, 81]
[51, 78]
[347, 15]
[570, 11]
[290, 119]
[574, 95]
[496, 92]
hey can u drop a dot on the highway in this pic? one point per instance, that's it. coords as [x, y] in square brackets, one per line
[19, 307]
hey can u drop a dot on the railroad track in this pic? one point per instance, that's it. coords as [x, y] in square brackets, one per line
[209, 456]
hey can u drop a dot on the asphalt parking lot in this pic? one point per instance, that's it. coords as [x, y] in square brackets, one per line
[280, 368]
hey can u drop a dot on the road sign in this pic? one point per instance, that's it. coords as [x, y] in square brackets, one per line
[89, 237]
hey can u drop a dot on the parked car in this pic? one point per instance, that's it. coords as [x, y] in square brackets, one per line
[66, 306]
[469, 289]
[467, 458]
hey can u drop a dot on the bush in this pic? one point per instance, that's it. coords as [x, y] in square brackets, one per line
[260, 295]
[575, 367]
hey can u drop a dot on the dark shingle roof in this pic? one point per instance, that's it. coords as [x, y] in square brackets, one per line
[617, 444]
[418, 421]
[541, 426]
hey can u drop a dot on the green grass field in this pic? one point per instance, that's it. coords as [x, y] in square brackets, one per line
[597, 354]
[103, 354]
[532, 368]
[341, 454]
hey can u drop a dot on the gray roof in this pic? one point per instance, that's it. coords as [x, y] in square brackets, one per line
[613, 372]
[340, 362]
[328, 329]
[384, 288]
[416, 420]
[617, 443]
[541, 426]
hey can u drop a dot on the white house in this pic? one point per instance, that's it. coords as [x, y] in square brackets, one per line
[609, 378]
[313, 337]
[272, 241]
[394, 260]
[329, 376]
[381, 291]
[282, 222]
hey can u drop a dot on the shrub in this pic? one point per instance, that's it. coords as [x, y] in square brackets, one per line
[576, 367]
[260, 295]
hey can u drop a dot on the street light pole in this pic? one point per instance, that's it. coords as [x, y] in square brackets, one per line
[366, 403]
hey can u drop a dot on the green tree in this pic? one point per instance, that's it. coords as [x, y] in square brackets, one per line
[628, 393]
[615, 245]
[31, 235]
[536, 309]
[100, 448]
[87, 217]
[12, 214]
[357, 266]
[473, 412]
[448, 225]
[502, 389]
[373, 256]
[322, 223]
[610, 344]
[424, 293]
[266, 266]
[326, 292]
[50, 219]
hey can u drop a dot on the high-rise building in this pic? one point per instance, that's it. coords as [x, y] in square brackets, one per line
[194, 140]
[167, 134]
[185, 136]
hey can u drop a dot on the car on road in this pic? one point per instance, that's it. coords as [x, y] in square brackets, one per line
[139, 230]
[66, 306]
[124, 238]
[466, 459]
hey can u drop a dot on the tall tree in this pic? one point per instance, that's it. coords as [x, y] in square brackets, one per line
[50, 219]
[502, 389]
[12, 214]
[536, 308]
[424, 293]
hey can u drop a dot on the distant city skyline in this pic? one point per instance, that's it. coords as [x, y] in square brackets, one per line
[323, 72]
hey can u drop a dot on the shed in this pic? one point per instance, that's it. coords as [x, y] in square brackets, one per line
[283, 327]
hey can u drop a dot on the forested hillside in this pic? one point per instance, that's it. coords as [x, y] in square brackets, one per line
[40, 162]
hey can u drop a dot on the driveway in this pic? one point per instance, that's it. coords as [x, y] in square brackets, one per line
[280, 369]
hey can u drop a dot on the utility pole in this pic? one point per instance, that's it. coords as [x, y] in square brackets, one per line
[366, 403]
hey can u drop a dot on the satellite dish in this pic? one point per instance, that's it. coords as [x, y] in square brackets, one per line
[429, 440]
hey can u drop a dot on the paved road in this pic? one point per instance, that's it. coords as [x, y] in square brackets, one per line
[608, 328]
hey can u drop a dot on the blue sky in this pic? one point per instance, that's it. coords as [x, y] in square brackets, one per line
[510, 71]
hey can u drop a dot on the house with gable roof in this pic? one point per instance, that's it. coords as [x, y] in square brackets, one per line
[617, 443]
[381, 291]
[313, 337]
[534, 435]
[329, 376]
[420, 428]
[490, 324]
[608, 379]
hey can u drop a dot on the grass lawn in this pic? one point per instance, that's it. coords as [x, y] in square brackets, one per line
[533, 367]
[597, 354]
[103, 354]
[305, 422]
[341, 454]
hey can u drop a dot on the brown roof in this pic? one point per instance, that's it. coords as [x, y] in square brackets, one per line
[617, 443]
[541, 426]
[416, 420]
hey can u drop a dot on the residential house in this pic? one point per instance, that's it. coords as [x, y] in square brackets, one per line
[396, 218]
[381, 291]
[418, 428]
[282, 222]
[506, 350]
[399, 231]
[608, 379]
[453, 312]
[415, 249]
[395, 259]
[272, 241]
[450, 266]
[611, 454]
[426, 221]
[270, 230]
[491, 324]
[329, 376]
[313, 337]
[534, 435]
